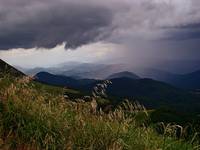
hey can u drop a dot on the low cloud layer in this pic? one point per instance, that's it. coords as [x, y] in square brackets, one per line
[95, 52]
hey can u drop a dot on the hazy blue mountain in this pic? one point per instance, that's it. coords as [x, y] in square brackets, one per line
[156, 74]
[102, 71]
[80, 70]
[94, 71]
[57, 69]
[153, 94]
[149, 92]
[185, 81]
[126, 74]
[60, 80]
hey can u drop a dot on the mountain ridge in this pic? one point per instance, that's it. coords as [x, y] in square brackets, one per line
[189, 81]
[7, 69]
[123, 74]
[149, 92]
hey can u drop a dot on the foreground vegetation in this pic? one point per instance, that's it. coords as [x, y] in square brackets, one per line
[36, 116]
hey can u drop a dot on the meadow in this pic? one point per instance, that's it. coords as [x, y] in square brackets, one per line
[35, 116]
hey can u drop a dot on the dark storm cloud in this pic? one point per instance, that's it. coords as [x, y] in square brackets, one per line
[27, 24]
[35, 23]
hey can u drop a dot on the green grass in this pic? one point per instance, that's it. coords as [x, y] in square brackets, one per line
[36, 116]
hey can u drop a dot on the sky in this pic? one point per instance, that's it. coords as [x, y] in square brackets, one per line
[136, 32]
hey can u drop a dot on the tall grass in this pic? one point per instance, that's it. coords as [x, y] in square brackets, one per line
[32, 118]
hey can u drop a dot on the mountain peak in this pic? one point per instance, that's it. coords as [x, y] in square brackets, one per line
[126, 74]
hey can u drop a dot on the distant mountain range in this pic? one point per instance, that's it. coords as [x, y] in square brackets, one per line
[60, 80]
[76, 70]
[186, 81]
[191, 80]
[150, 92]
[80, 70]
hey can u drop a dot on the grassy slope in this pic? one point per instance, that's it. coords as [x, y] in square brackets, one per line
[8, 69]
[36, 116]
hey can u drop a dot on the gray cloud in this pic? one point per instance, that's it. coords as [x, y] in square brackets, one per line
[157, 19]
[34, 23]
